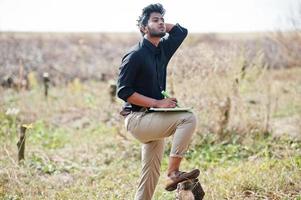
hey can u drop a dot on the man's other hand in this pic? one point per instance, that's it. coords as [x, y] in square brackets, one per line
[166, 103]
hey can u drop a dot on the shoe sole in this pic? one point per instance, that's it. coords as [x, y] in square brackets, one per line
[173, 186]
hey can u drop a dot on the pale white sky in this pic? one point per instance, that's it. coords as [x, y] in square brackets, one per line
[120, 16]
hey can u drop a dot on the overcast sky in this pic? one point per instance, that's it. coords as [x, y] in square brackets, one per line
[120, 16]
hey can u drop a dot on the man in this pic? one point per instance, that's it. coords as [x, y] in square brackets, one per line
[141, 79]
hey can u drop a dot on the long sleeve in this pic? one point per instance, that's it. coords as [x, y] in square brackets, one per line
[128, 71]
[176, 36]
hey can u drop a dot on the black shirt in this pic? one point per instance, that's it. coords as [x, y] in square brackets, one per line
[143, 68]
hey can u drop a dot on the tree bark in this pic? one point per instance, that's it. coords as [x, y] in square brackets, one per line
[21, 143]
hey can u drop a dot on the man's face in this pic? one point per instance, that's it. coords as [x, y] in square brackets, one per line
[156, 26]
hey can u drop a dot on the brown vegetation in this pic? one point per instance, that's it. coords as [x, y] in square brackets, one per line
[243, 88]
[211, 72]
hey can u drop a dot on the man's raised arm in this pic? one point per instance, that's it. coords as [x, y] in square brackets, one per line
[176, 36]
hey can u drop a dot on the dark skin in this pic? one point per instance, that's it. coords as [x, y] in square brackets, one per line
[154, 28]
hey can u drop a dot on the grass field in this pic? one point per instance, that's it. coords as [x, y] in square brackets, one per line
[77, 149]
[247, 144]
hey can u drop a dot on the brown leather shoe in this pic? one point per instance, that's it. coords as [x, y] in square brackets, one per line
[172, 181]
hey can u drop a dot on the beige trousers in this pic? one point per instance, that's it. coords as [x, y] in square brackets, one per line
[151, 129]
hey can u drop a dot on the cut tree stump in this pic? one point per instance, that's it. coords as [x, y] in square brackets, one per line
[190, 190]
[21, 143]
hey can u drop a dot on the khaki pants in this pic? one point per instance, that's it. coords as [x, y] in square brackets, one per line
[151, 129]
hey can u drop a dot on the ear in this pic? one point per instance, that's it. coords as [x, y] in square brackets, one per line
[144, 29]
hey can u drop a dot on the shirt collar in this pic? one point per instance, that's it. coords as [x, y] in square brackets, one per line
[149, 45]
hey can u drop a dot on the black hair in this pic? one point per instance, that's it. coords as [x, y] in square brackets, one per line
[146, 12]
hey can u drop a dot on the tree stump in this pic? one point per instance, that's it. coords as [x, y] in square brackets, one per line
[190, 190]
[21, 143]
[46, 81]
[112, 91]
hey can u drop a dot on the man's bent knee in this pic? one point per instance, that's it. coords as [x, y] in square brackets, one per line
[190, 117]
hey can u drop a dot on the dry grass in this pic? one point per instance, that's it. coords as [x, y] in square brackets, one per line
[78, 149]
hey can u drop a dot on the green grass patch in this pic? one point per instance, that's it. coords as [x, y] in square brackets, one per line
[47, 137]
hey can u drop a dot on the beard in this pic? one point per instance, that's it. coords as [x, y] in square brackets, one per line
[154, 33]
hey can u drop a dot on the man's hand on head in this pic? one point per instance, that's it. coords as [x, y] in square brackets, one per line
[169, 27]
